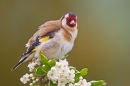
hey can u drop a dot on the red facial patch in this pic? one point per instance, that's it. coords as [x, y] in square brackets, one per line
[72, 18]
[70, 25]
[69, 19]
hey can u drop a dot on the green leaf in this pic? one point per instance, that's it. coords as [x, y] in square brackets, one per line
[52, 63]
[46, 68]
[43, 58]
[84, 72]
[52, 84]
[98, 83]
[77, 75]
[39, 71]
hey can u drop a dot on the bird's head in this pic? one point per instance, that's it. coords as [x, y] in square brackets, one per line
[69, 20]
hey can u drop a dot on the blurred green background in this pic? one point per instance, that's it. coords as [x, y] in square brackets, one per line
[102, 45]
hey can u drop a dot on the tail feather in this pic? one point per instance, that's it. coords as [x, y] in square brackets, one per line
[19, 63]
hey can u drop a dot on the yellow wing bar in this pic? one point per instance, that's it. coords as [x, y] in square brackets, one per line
[42, 40]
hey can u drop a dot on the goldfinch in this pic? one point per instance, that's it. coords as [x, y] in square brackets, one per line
[54, 38]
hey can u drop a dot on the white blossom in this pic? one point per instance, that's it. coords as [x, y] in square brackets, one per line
[70, 84]
[71, 74]
[34, 81]
[31, 84]
[82, 82]
[80, 77]
[33, 78]
[25, 78]
[65, 62]
[31, 66]
[76, 84]
[31, 70]
[38, 62]
[64, 71]
[37, 79]
[61, 82]
[58, 66]
[72, 80]
[52, 75]
[31, 75]
[61, 73]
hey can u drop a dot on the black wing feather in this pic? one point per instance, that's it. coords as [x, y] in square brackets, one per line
[24, 56]
[36, 43]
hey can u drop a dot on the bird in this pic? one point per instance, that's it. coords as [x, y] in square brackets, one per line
[54, 38]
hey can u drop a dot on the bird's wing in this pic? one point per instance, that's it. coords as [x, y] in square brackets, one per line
[44, 29]
[45, 32]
